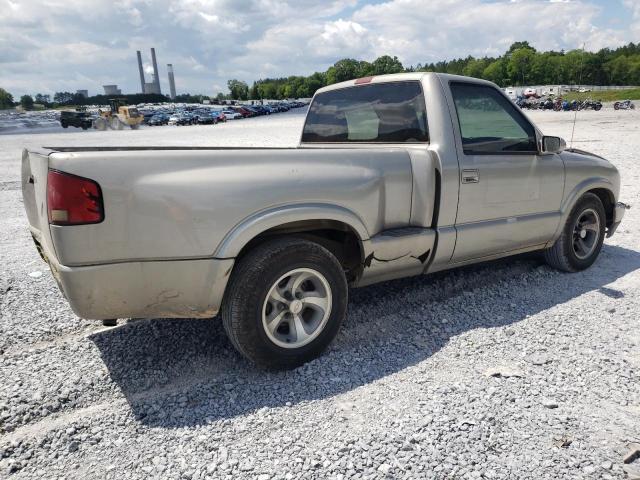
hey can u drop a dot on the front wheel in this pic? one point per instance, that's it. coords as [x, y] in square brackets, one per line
[582, 236]
[285, 302]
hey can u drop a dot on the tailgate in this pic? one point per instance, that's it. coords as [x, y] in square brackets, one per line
[35, 167]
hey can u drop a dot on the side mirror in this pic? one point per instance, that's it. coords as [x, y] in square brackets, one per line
[552, 144]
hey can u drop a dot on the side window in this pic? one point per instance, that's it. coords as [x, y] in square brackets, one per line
[391, 112]
[489, 122]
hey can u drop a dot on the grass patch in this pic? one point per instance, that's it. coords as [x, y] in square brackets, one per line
[605, 95]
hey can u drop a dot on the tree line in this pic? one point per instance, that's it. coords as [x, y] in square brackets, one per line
[520, 65]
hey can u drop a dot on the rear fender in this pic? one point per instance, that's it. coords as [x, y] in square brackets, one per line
[254, 225]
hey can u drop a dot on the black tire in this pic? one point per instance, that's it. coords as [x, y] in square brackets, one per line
[110, 322]
[562, 254]
[250, 283]
[64, 125]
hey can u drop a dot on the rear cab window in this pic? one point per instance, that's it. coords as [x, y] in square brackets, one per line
[392, 112]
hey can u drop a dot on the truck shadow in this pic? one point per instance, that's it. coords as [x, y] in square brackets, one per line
[177, 373]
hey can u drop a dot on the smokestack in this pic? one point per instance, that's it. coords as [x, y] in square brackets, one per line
[172, 81]
[155, 70]
[141, 70]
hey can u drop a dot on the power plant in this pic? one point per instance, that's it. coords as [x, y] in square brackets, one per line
[156, 77]
[172, 82]
[154, 85]
[141, 71]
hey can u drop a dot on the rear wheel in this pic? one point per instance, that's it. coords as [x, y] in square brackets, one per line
[582, 236]
[285, 302]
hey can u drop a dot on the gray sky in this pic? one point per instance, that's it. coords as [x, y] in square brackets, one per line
[54, 45]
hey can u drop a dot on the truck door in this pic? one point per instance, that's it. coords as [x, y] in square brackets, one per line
[509, 194]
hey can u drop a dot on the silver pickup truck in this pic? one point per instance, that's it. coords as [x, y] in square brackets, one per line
[394, 176]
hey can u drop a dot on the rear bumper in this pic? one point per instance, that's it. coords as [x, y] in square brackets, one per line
[169, 289]
[618, 213]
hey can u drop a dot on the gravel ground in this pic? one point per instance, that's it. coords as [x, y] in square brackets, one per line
[502, 370]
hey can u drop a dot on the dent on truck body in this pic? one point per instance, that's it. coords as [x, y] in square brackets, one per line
[397, 253]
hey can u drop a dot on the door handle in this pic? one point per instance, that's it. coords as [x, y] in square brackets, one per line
[470, 176]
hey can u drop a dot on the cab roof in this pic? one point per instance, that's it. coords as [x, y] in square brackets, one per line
[399, 77]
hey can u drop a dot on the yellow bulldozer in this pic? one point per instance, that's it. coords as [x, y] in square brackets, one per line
[118, 116]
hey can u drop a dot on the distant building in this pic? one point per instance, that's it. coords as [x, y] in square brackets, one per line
[84, 93]
[111, 90]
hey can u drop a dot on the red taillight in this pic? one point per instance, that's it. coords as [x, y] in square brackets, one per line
[73, 200]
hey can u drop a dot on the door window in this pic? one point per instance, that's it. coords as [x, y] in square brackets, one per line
[490, 123]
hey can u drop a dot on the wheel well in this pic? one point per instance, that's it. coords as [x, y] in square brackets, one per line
[608, 202]
[337, 237]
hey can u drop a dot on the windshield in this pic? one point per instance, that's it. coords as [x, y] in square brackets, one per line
[391, 112]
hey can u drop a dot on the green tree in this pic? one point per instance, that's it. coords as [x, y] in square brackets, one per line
[26, 102]
[63, 98]
[268, 90]
[618, 69]
[495, 72]
[475, 67]
[520, 64]
[6, 99]
[43, 99]
[342, 70]
[311, 84]
[519, 45]
[239, 89]
[386, 64]
[254, 92]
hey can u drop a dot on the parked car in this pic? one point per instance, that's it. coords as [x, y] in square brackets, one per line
[204, 117]
[76, 118]
[218, 116]
[231, 114]
[183, 118]
[146, 115]
[158, 119]
[271, 237]
[262, 110]
[245, 112]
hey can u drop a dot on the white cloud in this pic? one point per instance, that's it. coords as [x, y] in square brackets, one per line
[51, 45]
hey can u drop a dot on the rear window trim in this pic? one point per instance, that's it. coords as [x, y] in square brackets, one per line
[469, 152]
[370, 142]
